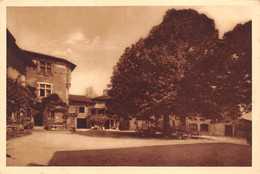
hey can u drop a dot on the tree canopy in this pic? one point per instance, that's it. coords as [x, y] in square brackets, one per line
[182, 68]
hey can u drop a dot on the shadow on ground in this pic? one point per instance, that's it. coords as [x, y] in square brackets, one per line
[33, 164]
[217, 154]
[112, 134]
[122, 134]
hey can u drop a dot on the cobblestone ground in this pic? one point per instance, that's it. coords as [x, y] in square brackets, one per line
[40, 147]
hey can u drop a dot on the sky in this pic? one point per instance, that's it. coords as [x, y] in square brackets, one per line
[94, 38]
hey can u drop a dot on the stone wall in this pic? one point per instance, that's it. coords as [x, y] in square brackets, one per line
[59, 78]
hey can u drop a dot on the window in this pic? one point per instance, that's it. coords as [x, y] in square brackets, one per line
[101, 112]
[193, 127]
[204, 127]
[81, 109]
[93, 111]
[44, 67]
[45, 89]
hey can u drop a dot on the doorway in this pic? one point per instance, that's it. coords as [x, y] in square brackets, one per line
[38, 119]
[228, 130]
[81, 123]
[107, 124]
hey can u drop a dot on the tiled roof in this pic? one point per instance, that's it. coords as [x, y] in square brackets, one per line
[80, 99]
[73, 66]
[11, 41]
[102, 98]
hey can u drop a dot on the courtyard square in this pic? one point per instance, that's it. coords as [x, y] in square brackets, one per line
[119, 148]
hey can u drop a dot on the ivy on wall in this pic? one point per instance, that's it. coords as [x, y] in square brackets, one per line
[20, 100]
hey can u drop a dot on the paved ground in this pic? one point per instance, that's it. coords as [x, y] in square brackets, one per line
[51, 148]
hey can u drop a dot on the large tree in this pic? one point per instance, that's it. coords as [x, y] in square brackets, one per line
[234, 79]
[220, 86]
[149, 75]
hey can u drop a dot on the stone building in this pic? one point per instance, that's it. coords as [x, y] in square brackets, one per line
[80, 111]
[17, 62]
[87, 113]
[39, 75]
[51, 75]
[195, 125]
[202, 126]
[99, 116]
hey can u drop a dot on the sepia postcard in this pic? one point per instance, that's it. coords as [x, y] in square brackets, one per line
[129, 86]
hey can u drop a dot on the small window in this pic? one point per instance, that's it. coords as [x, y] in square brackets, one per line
[101, 111]
[81, 109]
[42, 70]
[44, 67]
[93, 112]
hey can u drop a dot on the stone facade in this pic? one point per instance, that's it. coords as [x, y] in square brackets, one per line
[51, 75]
[99, 116]
[203, 126]
[80, 111]
[195, 125]
[17, 62]
[86, 113]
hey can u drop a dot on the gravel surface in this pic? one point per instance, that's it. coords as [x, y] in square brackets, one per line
[39, 148]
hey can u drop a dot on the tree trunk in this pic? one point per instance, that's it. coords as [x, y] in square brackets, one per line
[157, 123]
[166, 126]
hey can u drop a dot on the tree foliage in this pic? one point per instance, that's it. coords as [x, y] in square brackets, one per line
[52, 103]
[90, 93]
[182, 68]
[23, 98]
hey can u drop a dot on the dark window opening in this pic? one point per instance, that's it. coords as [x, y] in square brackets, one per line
[101, 111]
[93, 112]
[42, 92]
[81, 109]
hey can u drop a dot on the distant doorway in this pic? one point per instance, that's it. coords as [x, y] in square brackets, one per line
[124, 125]
[107, 124]
[228, 130]
[38, 119]
[81, 123]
